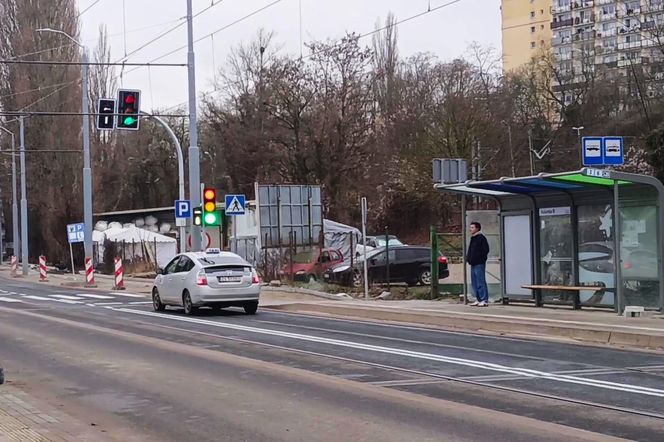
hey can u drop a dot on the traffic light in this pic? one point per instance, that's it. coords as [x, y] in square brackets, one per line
[105, 114]
[198, 216]
[210, 214]
[129, 102]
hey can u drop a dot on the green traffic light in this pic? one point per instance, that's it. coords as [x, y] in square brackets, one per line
[211, 219]
[129, 121]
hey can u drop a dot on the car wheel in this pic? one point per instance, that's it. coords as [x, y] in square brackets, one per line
[189, 308]
[251, 307]
[156, 302]
[425, 277]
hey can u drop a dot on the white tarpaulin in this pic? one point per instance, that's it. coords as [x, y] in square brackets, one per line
[138, 243]
[338, 236]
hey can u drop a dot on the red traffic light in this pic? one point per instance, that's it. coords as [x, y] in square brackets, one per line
[130, 99]
[209, 195]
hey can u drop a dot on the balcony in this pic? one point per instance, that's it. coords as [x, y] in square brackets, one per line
[583, 4]
[557, 41]
[606, 17]
[584, 36]
[561, 9]
[629, 45]
[605, 2]
[608, 33]
[557, 24]
[585, 20]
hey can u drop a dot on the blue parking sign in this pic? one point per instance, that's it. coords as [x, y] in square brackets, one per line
[75, 233]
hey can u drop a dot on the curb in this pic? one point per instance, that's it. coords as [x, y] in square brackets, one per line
[592, 335]
[315, 293]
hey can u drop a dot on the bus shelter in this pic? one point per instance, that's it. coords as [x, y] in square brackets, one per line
[591, 237]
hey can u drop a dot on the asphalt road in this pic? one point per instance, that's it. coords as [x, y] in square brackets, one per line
[139, 375]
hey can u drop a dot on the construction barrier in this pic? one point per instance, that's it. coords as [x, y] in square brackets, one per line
[119, 275]
[43, 277]
[89, 274]
[14, 264]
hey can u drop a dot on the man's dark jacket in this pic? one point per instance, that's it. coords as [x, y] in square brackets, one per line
[478, 250]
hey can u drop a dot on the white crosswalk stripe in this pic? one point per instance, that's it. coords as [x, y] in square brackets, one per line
[71, 298]
[10, 300]
[38, 298]
[89, 295]
[128, 295]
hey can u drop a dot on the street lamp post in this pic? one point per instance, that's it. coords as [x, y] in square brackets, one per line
[194, 154]
[15, 238]
[24, 202]
[87, 168]
[578, 133]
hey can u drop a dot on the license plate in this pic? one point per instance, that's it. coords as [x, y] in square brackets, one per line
[326, 276]
[228, 279]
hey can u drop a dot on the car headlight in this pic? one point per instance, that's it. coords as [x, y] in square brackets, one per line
[340, 269]
[301, 272]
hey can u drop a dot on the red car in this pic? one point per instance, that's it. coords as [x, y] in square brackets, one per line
[311, 265]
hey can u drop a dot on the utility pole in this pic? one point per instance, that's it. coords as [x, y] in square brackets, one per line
[16, 240]
[530, 152]
[194, 154]
[24, 203]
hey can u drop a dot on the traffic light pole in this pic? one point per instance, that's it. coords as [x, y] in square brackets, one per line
[87, 169]
[178, 149]
[194, 154]
[24, 203]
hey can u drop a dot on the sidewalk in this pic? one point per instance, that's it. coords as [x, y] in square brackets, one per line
[589, 326]
[24, 418]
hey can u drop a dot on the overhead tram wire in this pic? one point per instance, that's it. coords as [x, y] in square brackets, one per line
[413, 17]
[88, 8]
[168, 31]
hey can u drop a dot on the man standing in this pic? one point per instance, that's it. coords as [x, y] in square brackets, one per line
[478, 252]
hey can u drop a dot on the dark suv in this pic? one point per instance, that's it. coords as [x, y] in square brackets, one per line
[409, 264]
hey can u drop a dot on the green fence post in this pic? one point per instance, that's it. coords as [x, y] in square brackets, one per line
[434, 263]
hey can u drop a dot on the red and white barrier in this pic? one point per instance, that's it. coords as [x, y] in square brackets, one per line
[14, 264]
[119, 275]
[43, 277]
[89, 274]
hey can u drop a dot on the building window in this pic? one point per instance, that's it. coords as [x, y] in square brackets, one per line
[532, 29]
[532, 14]
[532, 45]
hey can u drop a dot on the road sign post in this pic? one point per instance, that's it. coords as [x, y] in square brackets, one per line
[75, 234]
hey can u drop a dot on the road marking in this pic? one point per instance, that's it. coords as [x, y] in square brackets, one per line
[128, 295]
[38, 298]
[88, 295]
[140, 302]
[523, 372]
[71, 298]
[10, 300]
[107, 303]
[67, 301]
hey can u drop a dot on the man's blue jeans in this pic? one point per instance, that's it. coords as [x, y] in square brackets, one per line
[478, 282]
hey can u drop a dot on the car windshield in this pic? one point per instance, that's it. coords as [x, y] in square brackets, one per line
[303, 258]
[392, 242]
[219, 260]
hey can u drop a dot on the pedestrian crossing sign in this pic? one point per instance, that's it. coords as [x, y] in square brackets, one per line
[235, 204]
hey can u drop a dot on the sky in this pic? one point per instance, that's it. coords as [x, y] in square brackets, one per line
[445, 32]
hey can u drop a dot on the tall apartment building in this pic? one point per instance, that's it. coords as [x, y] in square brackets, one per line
[620, 38]
[526, 28]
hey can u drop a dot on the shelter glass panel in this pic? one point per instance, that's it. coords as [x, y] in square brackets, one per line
[596, 260]
[556, 246]
[639, 255]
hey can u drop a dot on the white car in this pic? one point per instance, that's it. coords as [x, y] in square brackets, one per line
[212, 278]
